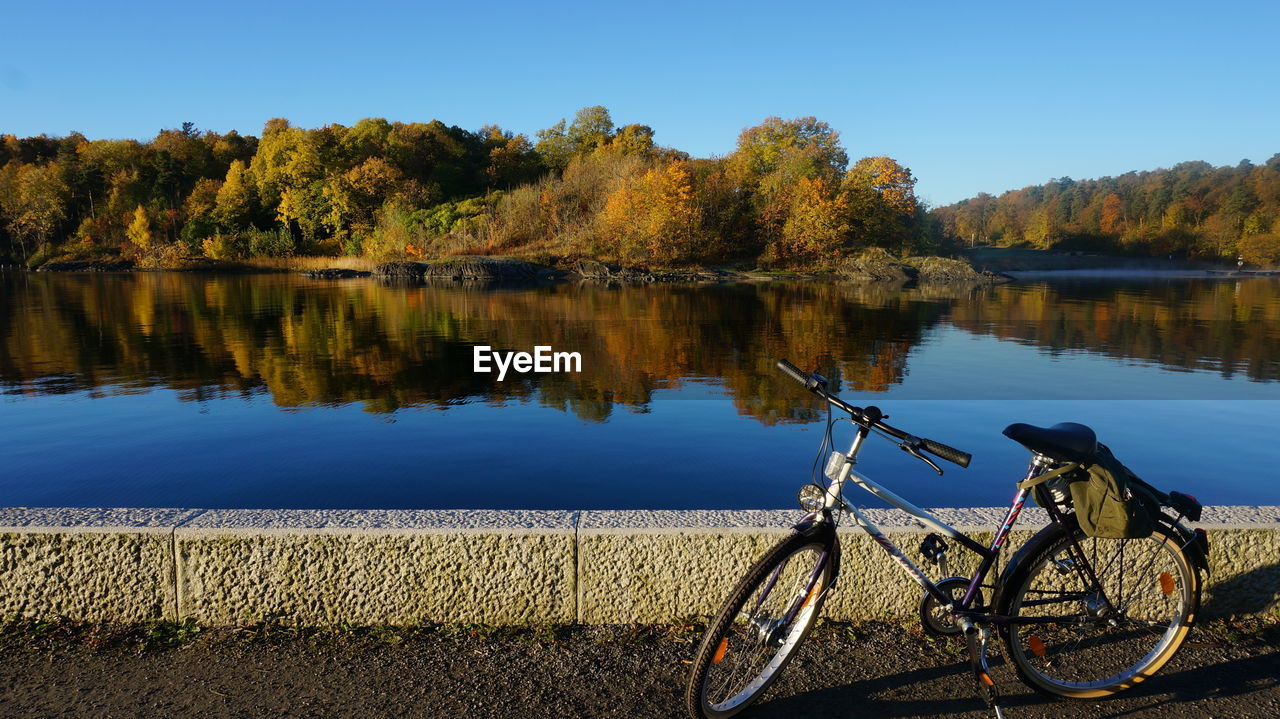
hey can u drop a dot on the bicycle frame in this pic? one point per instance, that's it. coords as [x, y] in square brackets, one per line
[835, 500]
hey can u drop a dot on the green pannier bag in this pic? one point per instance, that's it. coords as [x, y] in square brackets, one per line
[1111, 501]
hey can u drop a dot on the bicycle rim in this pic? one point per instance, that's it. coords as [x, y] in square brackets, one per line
[1137, 613]
[756, 634]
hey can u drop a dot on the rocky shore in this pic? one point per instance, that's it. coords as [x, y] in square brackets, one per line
[877, 265]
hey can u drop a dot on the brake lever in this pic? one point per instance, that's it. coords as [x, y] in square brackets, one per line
[912, 448]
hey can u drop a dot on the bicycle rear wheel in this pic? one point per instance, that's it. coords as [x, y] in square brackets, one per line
[1115, 631]
[756, 633]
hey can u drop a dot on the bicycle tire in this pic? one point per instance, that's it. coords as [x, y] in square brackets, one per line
[733, 631]
[1139, 627]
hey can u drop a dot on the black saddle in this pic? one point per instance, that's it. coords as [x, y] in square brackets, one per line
[1065, 442]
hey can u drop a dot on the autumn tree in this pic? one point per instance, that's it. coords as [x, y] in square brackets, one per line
[289, 173]
[817, 226]
[511, 158]
[1261, 250]
[632, 140]
[882, 203]
[655, 218]
[971, 219]
[774, 143]
[1111, 222]
[200, 212]
[139, 230]
[591, 129]
[34, 201]
[768, 164]
[554, 146]
[354, 196]
[233, 203]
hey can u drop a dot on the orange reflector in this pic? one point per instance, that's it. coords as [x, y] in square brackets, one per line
[1037, 646]
[987, 679]
[1166, 583]
[721, 651]
[813, 594]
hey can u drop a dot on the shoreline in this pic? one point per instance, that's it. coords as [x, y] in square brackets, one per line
[969, 270]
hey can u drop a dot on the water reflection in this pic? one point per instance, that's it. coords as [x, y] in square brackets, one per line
[307, 342]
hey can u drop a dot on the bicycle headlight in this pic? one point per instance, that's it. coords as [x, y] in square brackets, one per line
[812, 498]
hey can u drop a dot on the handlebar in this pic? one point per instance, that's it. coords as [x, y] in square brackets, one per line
[872, 418]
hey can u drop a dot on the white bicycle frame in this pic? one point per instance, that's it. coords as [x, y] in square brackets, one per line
[835, 500]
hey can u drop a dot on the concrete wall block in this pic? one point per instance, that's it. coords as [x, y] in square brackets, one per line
[108, 576]
[321, 578]
[1244, 573]
[638, 576]
[426, 566]
[113, 565]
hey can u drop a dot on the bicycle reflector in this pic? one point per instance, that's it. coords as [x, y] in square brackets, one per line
[1036, 644]
[1166, 583]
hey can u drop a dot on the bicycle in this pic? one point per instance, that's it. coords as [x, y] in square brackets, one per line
[1061, 607]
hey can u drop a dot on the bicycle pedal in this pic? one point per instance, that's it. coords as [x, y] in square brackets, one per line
[933, 548]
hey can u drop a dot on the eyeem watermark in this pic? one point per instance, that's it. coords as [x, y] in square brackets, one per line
[543, 360]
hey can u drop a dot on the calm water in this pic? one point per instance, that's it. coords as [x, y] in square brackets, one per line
[170, 390]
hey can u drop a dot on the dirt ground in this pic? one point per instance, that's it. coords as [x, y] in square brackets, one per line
[870, 671]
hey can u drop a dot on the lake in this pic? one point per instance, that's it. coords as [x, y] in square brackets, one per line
[275, 390]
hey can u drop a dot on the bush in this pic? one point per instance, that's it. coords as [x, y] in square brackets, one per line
[270, 243]
[163, 257]
[223, 247]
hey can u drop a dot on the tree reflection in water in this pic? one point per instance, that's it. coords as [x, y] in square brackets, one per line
[312, 342]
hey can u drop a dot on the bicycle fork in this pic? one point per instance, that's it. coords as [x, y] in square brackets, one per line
[977, 637]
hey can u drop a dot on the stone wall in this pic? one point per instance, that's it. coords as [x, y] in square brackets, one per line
[227, 567]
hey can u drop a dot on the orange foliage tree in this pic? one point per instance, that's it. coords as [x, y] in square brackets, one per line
[1111, 222]
[654, 218]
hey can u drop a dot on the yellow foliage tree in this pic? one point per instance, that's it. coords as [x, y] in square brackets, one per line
[655, 218]
[232, 205]
[818, 224]
[32, 200]
[139, 230]
[1261, 249]
[893, 182]
[882, 203]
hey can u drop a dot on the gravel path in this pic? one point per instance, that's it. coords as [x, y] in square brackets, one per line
[884, 672]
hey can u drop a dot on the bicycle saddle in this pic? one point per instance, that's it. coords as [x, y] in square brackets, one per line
[1065, 441]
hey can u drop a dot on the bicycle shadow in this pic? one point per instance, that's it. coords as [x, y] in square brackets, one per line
[946, 690]
[883, 696]
[1237, 677]
[1251, 593]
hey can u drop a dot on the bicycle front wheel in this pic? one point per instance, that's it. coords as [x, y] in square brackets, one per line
[756, 633]
[1091, 617]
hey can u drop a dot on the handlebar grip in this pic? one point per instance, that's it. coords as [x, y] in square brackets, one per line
[951, 454]
[796, 374]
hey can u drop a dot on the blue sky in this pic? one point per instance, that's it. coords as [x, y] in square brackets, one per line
[971, 96]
